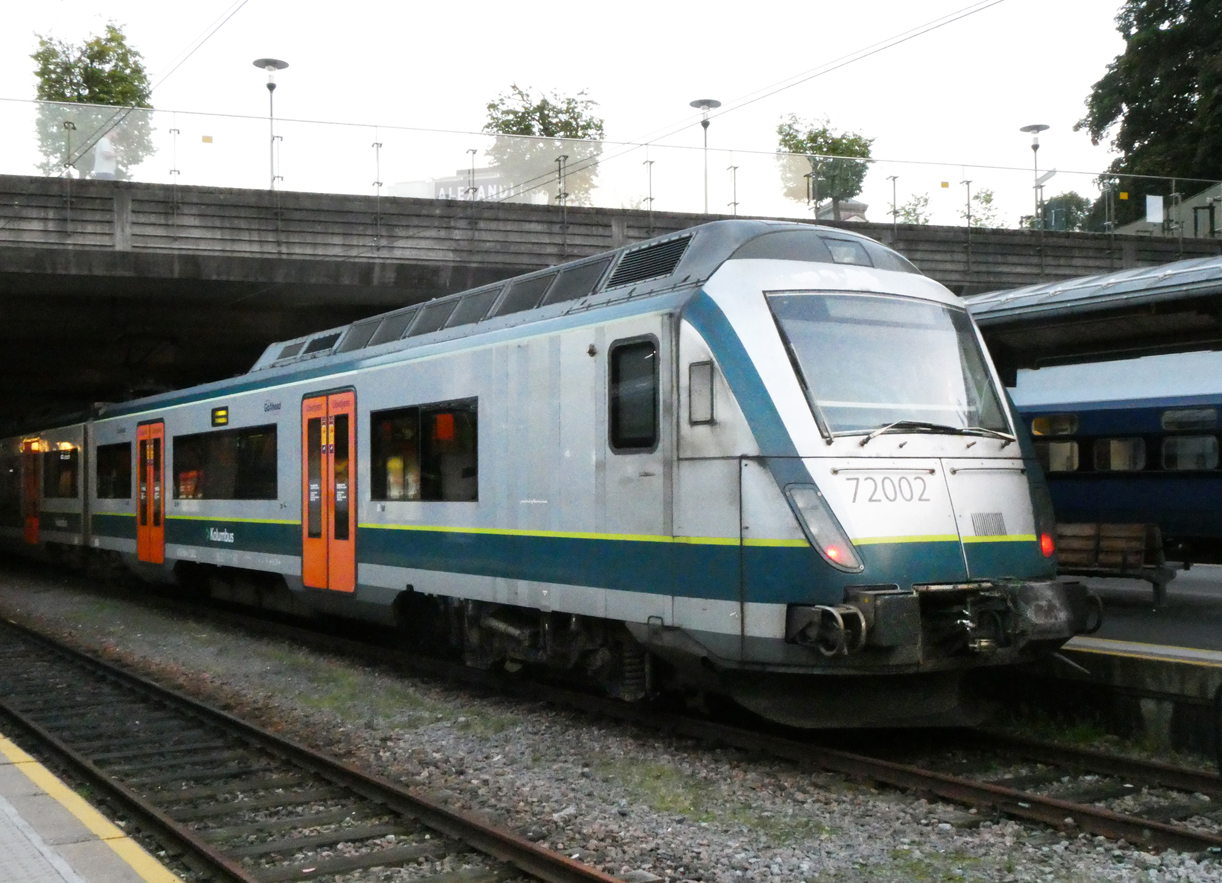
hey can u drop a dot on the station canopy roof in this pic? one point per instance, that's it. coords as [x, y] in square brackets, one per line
[1173, 307]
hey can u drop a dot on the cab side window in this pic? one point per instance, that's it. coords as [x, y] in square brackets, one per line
[633, 395]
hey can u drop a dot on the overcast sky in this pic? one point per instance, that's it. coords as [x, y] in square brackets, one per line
[955, 96]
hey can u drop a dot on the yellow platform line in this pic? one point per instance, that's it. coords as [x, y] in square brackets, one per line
[127, 849]
[1112, 647]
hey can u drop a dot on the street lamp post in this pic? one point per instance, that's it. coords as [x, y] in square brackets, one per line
[271, 65]
[1034, 130]
[704, 105]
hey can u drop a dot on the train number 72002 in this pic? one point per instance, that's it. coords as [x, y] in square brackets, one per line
[890, 490]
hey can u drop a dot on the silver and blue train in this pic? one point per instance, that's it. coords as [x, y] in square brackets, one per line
[768, 461]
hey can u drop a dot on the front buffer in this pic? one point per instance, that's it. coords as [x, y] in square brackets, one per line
[892, 658]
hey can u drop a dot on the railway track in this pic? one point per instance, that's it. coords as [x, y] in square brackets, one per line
[1073, 790]
[234, 802]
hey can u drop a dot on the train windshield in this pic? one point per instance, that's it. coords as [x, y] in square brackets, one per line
[870, 361]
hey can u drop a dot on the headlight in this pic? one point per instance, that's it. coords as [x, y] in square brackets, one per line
[822, 529]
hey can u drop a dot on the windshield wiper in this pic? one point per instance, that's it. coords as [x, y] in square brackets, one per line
[989, 433]
[940, 428]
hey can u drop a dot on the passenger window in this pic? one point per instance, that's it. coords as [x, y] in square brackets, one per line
[633, 395]
[1190, 418]
[1055, 424]
[231, 464]
[1058, 456]
[10, 491]
[1120, 454]
[59, 473]
[428, 452]
[1187, 452]
[114, 478]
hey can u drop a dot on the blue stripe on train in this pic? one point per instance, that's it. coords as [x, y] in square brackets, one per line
[770, 574]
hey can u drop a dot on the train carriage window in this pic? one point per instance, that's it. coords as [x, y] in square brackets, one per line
[1183, 419]
[1188, 452]
[230, 464]
[10, 491]
[1055, 424]
[60, 472]
[1058, 456]
[1120, 454]
[633, 396]
[114, 465]
[426, 452]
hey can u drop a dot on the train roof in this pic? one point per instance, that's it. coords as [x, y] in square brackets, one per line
[686, 258]
[675, 264]
[1166, 308]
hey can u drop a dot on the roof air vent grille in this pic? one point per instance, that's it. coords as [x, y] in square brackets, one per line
[649, 262]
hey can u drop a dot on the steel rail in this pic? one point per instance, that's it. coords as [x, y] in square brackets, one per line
[984, 795]
[497, 842]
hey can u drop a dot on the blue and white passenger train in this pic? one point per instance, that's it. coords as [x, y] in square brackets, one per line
[766, 460]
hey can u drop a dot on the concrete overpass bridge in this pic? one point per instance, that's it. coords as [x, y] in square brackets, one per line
[109, 289]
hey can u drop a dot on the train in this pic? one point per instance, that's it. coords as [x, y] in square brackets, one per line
[1133, 441]
[762, 461]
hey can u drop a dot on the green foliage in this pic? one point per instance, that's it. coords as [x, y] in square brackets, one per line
[1161, 99]
[83, 86]
[1068, 211]
[810, 152]
[984, 212]
[915, 210]
[546, 126]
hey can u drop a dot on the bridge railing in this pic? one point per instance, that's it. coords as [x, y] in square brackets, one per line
[176, 147]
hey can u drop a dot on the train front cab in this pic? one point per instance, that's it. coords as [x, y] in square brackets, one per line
[898, 561]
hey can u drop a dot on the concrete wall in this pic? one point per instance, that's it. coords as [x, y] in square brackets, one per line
[438, 245]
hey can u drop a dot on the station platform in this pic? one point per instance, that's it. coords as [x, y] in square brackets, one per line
[50, 834]
[1155, 672]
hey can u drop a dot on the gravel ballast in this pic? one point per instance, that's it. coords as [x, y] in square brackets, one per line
[634, 803]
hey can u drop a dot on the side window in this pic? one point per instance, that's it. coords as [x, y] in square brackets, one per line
[10, 491]
[1058, 456]
[1184, 452]
[231, 464]
[1120, 454]
[426, 452]
[1190, 418]
[633, 395]
[114, 465]
[1055, 424]
[59, 472]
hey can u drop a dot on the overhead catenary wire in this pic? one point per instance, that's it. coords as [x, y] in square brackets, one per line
[116, 119]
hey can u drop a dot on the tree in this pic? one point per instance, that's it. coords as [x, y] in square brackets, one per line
[535, 131]
[1068, 211]
[817, 163]
[1161, 99]
[984, 212]
[87, 85]
[915, 210]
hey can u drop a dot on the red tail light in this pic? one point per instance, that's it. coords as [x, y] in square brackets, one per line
[1047, 544]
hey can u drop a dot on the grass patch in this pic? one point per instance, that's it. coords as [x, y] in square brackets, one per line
[666, 788]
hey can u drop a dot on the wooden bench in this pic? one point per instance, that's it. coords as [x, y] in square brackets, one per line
[1132, 551]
